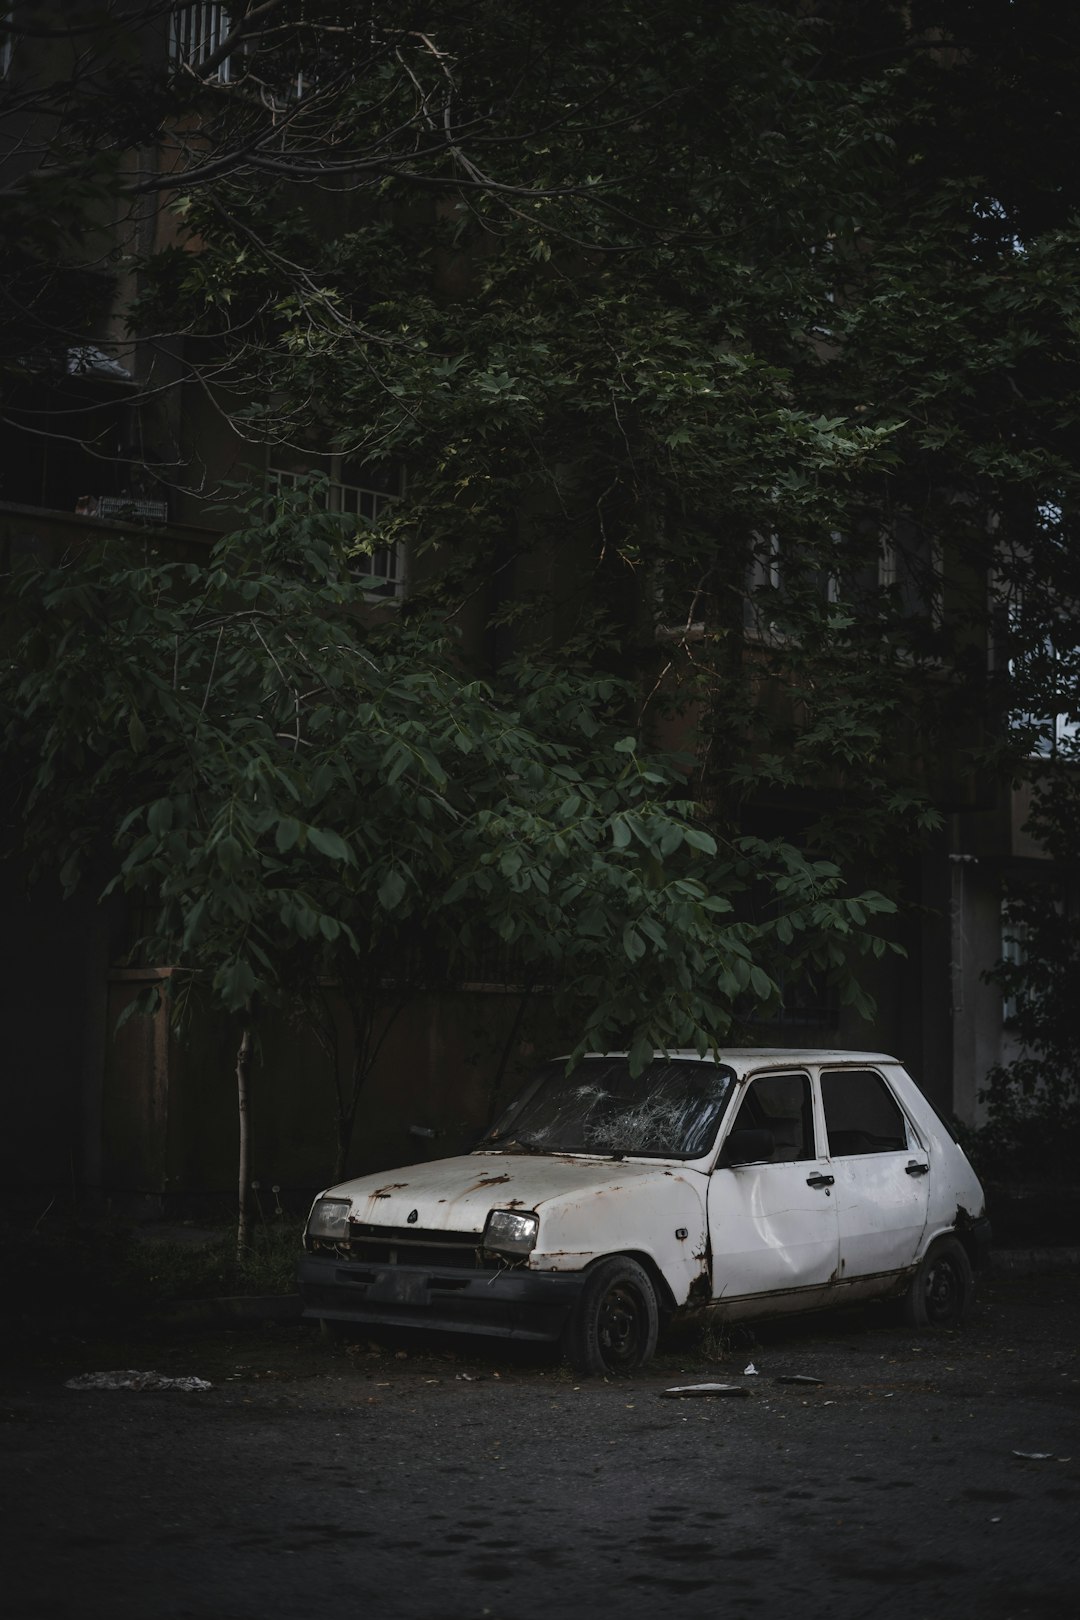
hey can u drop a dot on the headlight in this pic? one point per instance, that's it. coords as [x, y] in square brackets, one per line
[329, 1219]
[508, 1232]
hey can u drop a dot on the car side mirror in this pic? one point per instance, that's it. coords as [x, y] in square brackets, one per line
[748, 1147]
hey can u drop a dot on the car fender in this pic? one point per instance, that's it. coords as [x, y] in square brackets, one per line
[660, 1217]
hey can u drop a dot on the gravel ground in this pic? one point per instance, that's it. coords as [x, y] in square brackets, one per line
[452, 1480]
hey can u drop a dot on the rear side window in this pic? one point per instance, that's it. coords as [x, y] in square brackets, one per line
[861, 1113]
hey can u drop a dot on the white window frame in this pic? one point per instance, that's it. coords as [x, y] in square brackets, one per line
[195, 33]
[765, 566]
[1056, 732]
[384, 563]
[765, 573]
[891, 574]
[1014, 954]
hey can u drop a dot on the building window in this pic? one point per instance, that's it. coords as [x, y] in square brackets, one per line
[764, 582]
[1013, 958]
[367, 507]
[196, 34]
[910, 569]
[1045, 679]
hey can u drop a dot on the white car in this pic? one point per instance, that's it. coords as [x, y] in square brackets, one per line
[600, 1206]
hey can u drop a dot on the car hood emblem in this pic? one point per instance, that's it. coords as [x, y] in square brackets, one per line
[413, 1217]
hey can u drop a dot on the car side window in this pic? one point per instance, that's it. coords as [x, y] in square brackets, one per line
[861, 1114]
[780, 1103]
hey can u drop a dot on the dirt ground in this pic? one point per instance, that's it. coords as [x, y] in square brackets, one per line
[438, 1480]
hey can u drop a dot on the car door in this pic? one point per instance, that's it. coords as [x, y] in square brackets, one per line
[881, 1171]
[772, 1225]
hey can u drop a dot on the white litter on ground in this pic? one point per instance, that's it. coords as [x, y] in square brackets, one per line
[134, 1380]
[682, 1390]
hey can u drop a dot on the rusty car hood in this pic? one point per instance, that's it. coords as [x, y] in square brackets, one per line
[456, 1195]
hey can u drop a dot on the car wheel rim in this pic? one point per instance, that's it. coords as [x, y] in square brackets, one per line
[942, 1292]
[621, 1328]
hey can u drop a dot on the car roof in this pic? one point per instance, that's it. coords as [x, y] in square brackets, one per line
[748, 1057]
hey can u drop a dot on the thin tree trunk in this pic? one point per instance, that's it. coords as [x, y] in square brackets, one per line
[243, 1059]
[366, 1048]
[509, 1046]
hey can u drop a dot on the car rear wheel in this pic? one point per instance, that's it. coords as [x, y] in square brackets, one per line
[943, 1287]
[615, 1323]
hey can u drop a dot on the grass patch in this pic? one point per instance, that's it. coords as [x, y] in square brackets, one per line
[64, 1266]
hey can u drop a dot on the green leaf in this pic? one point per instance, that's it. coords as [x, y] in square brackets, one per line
[144, 1005]
[396, 762]
[230, 854]
[236, 983]
[700, 840]
[391, 890]
[288, 831]
[193, 921]
[159, 817]
[70, 873]
[671, 839]
[760, 983]
[329, 843]
[640, 1055]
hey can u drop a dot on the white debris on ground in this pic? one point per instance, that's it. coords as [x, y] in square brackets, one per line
[134, 1380]
[682, 1390]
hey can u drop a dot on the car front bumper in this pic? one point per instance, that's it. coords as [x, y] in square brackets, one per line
[512, 1304]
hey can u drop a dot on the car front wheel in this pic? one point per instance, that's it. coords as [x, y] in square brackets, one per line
[615, 1323]
[943, 1287]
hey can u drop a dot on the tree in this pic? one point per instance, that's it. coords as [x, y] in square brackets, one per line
[660, 307]
[299, 792]
[1032, 1101]
[684, 281]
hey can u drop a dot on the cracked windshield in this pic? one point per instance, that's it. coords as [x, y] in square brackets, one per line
[670, 1111]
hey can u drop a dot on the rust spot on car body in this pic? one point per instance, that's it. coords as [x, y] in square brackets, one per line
[486, 1181]
[391, 1187]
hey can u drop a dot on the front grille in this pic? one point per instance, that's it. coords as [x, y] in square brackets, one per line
[411, 1246]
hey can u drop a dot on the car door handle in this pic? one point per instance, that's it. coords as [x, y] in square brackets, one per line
[916, 1169]
[818, 1180]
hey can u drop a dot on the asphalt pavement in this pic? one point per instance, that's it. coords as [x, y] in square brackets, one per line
[923, 1476]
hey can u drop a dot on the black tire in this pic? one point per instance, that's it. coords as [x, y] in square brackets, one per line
[943, 1287]
[615, 1322]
